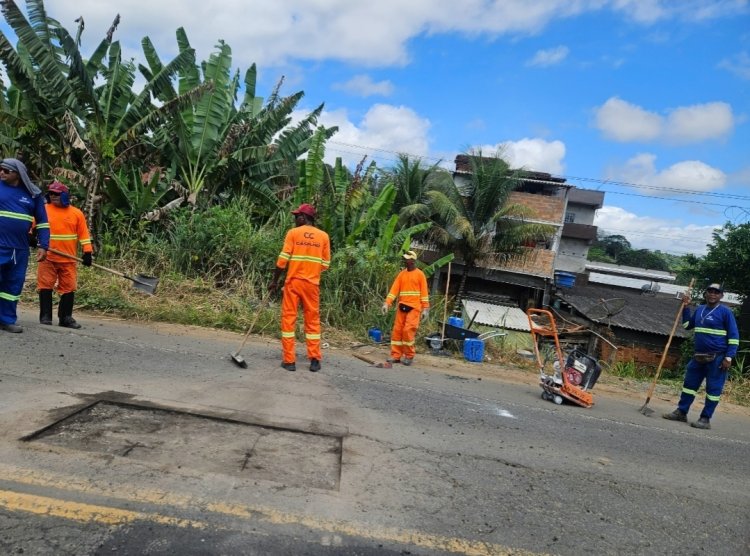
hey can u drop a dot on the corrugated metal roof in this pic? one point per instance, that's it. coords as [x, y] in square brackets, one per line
[669, 289]
[644, 313]
[633, 271]
[500, 316]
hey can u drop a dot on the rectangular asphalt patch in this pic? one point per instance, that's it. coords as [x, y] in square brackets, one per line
[199, 442]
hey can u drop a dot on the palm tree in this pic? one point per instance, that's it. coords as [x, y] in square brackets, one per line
[476, 221]
[411, 179]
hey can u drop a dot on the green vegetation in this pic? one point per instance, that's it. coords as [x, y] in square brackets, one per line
[193, 176]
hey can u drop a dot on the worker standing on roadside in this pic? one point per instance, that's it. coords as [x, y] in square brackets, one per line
[410, 290]
[716, 341]
[67, 228]
[21, 203]
[305, 255]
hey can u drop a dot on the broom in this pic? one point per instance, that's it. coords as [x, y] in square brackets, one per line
[647, 411]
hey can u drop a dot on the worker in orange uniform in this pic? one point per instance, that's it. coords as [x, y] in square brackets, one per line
[67, 228]
[410, 290]
[305, 255]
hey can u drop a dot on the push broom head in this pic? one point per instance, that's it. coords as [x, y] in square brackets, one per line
[239, 360]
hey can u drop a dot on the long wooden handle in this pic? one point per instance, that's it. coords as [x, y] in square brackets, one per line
[669, 342]
[445, 308]
[56, 252]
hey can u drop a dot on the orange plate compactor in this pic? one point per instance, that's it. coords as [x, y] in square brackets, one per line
[572, 377]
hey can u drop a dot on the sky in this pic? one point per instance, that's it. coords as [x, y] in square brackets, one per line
[646, 100]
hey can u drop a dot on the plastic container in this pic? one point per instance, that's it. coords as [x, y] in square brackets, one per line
[565, 279]
[474, 350]
[375, 334]
[458, 322]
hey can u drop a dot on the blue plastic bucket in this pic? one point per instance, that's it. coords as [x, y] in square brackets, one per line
[565, 279]
[458, 322]
[474, 350]
[375, 334]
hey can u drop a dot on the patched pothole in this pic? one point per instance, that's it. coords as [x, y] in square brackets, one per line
[200, 442]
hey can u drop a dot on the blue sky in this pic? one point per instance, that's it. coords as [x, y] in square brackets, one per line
[651, 93]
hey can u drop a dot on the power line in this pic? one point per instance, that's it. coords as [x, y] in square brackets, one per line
[575, 178]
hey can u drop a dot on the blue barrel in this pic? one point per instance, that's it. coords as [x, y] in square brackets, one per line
[474, 350]
[565, 279]
[458, 322]
[375, 334]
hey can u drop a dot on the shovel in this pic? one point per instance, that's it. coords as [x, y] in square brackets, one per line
[647, 411]
[376, 364]
[146, 284]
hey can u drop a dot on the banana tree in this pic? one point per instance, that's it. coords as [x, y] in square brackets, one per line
[224, 149]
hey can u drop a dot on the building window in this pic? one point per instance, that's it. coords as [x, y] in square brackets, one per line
[570, 217]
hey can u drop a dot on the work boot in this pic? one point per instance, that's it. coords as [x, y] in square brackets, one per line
[45, 307]
[676, 415]
[65, 311]
[701, 423]
[393, 360]
[12, 328]
[407, 361]
[289, 366]
[314, 365]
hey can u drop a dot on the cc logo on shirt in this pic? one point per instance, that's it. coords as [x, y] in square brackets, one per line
[308, 235]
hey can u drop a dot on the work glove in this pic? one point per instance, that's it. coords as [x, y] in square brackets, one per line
[425, 314]
[384, 309]
[87, 260]
[33, 240]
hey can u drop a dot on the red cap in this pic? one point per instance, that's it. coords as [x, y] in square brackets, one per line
[304, 208]
[57, 187]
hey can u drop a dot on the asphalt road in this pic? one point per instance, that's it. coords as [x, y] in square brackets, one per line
[133, 438]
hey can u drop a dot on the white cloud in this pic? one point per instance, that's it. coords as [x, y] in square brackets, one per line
[371, 33]
[651, 11]
[699, 122]
[622, 121]
[549, 57]
[738, 65]
[364, 86]
[646, 232]
[688, 175]
[384, 129]
[531, 154]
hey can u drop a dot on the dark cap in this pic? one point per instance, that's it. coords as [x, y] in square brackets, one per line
[718, 287]
[304, 208]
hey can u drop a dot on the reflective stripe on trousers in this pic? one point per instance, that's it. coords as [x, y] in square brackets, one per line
[13, 264]
[404, 333]
[296, 292]
[695, 374]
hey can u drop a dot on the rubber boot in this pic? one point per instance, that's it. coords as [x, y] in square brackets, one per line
[45, 306]
[65, 311]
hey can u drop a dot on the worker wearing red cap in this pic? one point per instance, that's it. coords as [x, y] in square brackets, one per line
[409, 289]
[305, 255]
[67, 229]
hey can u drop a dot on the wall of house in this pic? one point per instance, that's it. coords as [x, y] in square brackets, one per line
[546, 207]
[571, 255]
[643, 355]
[536, 262]
[584, 214]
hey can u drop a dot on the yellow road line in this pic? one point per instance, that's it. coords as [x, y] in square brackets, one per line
[101, 514]
[86, 513]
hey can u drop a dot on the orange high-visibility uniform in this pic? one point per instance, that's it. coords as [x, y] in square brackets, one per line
[67, 228]
[306, 253]
[410, 290]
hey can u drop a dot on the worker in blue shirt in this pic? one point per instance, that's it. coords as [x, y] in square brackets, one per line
[716, 341]
[21, 204]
